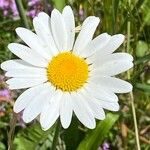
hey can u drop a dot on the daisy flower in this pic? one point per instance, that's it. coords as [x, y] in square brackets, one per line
[63, 75]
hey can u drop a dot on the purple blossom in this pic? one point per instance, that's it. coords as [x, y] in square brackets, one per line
[35, 6]
[105, 146]
[33, 2]
[4, 3]
[8, 7]
[81, 13]
[5, 93]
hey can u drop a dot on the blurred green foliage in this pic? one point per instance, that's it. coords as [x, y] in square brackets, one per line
[33, 138]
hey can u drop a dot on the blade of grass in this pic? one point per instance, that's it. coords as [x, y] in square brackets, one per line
[129, 77]
[11, 131]
[133, 11]
[22, 13]
[143, 87]
[94, 138]
[59, 4]
[107, 20]
[56, 135]
[115, 4]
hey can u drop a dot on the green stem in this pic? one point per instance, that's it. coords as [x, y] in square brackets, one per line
[45, 5]
[11, 131]
[22, 13]
[131, 93]
[56, 136]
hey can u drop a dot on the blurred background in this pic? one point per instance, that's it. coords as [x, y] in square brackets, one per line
[117, 132]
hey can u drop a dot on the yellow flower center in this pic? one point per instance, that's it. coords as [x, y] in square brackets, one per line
[67, 72]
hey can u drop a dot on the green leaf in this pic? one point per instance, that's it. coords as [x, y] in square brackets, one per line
[30, 137]
[141, 48]
[95, 137]
[142, 59]
[59, 4]
[2, 146]
[143, 87]
[72, 135]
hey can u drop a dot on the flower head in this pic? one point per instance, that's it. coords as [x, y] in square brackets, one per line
[5, 93]
[105, 146]
[81, 13]
[9, 8]
[64, 75]
[36, 6]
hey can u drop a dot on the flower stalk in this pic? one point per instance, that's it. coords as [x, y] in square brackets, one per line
[56, 135]
[129, 77]
[11, 131]
[22, 13]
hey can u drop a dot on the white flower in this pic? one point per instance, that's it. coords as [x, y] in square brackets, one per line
[63, 76]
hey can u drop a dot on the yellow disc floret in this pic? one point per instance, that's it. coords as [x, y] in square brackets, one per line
[67, 72]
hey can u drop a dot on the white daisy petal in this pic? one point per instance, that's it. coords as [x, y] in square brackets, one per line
[59, 30]
[112, 83]
[110, 58]
[110, 106]
[45, 22]
[42, 36]
[97, 109]
[15, 64]
[95, 105]
[34, 108]
[70, 25]
[26, 97]
[112, 68]
[50, 112]
[21, 83]
[42, 27]
[33, 41]
[27, 55]
[100, 92]
[95, 102]
[66, 110]
[95, 45]
[83, 111]
[114, 43]
[86, 34]
[30, 72]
